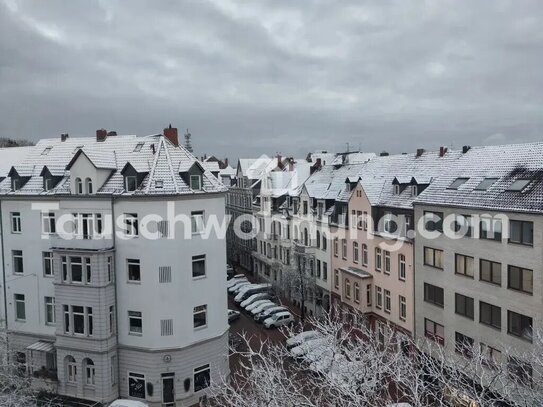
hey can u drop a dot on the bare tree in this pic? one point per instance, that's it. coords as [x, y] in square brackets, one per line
[351, 365]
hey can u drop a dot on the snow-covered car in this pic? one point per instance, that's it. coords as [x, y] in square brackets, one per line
[269, 312]
[262, 307]
[236, 280]
[232, 315]
[229, 270]
[246, 292]
[238, 286]
[308, 346]
[279, 319]
[256, 303]
[253, 298]
[302, 337]
[128, 403]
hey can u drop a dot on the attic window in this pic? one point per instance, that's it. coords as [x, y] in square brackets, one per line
[519, 184]
[138, 147]
[414, 190]
[159, 184]
[396, 189]
[130, 183]
[47, 184]
[458, 182]
[196, 182]
[485, 184]
[46, 150]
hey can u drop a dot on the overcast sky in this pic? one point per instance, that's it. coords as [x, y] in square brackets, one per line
[252, 77]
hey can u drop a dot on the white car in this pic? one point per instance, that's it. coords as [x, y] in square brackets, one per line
[235, 280]
[247, 291]
[234, 289]
[256, 304]
[302, 337]
[253, 298]
[128, 403]
[269, 312]
[262, 307]
[279, 319]
[310, 346]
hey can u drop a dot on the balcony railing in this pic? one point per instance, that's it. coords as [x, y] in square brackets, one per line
[79, 242]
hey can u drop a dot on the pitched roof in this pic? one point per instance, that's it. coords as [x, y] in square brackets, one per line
[506, 163]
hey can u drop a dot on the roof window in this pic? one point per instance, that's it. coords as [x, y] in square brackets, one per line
[46, 150]
[485, 184]
[458, 182]
[159, 183]
[138, 147]
[519, 184]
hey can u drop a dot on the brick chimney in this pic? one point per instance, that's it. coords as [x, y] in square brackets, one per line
[171, 134]
[420, 151]
[291, 164]
[279, 161]
[64, 137]
[315, 167]
[101, 134]
[442, 151]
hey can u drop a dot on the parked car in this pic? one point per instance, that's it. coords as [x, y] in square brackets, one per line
[254, 304]
[261, 307]
[234, 288]
[128, 403]
[269, 312]
[246, 292]
[233, 315]
[229, 270]
[308, 346]
[279, 319]
[302, 337]
[234, 281]
[255, 297]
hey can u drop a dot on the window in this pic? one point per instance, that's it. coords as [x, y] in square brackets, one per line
[336, 278]
[378, 259]
[47, 264]
[318, 239]
[519, 185]
[414, 190]
[463, 225]
[490, 271]
[520, 279]
[379, 296]
[50, 318]
[433, 221]
[130, 183]
[464, 265]
[491, 229]
[433, 294]
[344, 248]
[17, 256]
[368, 295]
[131, 224]
[463, 305]
[356, 292]
[88, 270]
[67, 325]
[318, 269]
[433, 257]
[197, 222]
[202, 377]
[490, 315]
[364, 254]
[491, 356]
[78, 186]
[166, 327]
[78, 317]
[200, 316]
[46, 150]
[111, 319]
[159, 184]
[198, 266]
[138, 147]
[355, 252]
[396, 189]
[325, 271]
[20, 310]
[88, 184]
[403, 307]
[463, 344]
[196, 182]
[359, 219]
[109, 269]
[485, 184]
[387, 261]
[90, 373]
[519, 325]
[401, 267]
[458, 182]
[16, 222]
[135, 323]
[387, 301]
[134, 270]
[304, 208]
[336, 246]
[434, 331]
[136, 385]
[324, 242]
[76, 269]
[521, 232]
[71, 369]
[347, 288]
[520, 371]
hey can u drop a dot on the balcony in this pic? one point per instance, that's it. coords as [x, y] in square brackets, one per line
[80, 242]
[301, 248]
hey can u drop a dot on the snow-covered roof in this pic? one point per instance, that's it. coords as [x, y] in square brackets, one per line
[329, 181]
[506, 164]
[10, 157]
[352, 158]
[155, 155]
[212, 166]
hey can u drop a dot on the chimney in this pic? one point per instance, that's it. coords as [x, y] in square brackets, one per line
[64, 137]
[226, 162]
[465, 149]
[384, 154]
[291, 164]
[279, 161]
[101, 134]
[315, 167]
[171, 134]
[442, 151]
[420, 151]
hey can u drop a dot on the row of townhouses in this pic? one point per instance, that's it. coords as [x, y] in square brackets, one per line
[369, 233]
[103, 297]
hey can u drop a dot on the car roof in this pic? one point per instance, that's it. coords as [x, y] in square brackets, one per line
[282, 313]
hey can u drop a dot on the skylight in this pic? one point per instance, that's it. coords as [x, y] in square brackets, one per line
[485, 184]
[519, 184]
[46, 151]
[458, 182]
[159, 183]
[138, 147]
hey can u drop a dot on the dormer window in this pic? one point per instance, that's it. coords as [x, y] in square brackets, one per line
[131, 183]
[414, 190]
[78, 186]
[485, 184]
[15, 185]
[396, 189]
[196, 182]
[47, 184]
[88, 184]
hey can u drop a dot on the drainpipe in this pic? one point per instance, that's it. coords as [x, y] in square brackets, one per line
[114, 260]
[3, 269]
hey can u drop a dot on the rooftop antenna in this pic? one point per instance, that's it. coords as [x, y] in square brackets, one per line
[188, 143]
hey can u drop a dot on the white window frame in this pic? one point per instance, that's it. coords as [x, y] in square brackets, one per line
[18, 254]
[127, 180]
[47, 258]
[199, 309]
[133, 262]
[50, 310]
[199, 179]
[18, 300]
[387, 301]
[402, 271]
[137, 376]
[403, 307]
[196, 259]
[134, 315]
[199, 370]
[71, 373]
[131, 225]
[90, 373]
[16, 223]
[197, 222]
